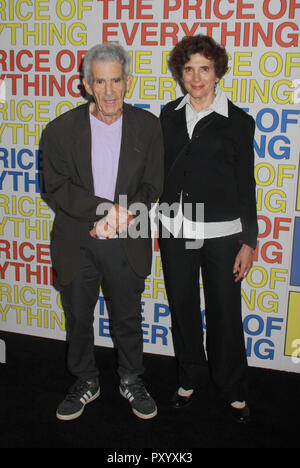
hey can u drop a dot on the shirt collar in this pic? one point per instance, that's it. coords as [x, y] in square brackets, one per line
[219, 104]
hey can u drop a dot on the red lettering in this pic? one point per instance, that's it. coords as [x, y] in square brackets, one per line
[129, 7]
[3, 58]
[258, 31]
[105, 8]
[168, 7]
[145, 33]
[53, 83]
[70, 84]
[3, 269]
[18, 61]
[107, 33]
[14, 79]
[44, 85]
[21, 252]
[187, 31]
[17, 269]
[5, 248]
[276, 255]
[187, 7]
[80, 55]
[278, 227]
[268, 226]
[30, 273]
[217, 12]
[236, 33]
[39, 60]
[172, 34]
[239, 11]
[34, 61]
[42, 250]
[139, 10]
[293, 37]
[209, 28]
[129, 39]
[31, 84]
[70, 57]
[273, 16]
[293, 6]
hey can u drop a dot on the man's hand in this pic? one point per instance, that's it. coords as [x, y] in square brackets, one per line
[243, 262]
[119, 218]
[102, 229]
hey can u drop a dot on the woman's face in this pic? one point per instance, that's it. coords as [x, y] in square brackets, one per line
[199, 79]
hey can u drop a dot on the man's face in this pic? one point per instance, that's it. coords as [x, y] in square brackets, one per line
[108, 89]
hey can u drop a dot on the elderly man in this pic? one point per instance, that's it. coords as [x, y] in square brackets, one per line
[94, 156]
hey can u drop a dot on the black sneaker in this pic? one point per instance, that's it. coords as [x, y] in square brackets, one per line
[80, 393]
[142, 404]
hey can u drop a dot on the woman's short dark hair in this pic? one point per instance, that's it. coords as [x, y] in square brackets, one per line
[204, 45]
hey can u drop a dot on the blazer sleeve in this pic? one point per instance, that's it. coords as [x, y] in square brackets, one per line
[245, 179]
[69, 195]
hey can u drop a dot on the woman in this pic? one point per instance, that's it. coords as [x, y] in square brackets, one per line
[209, 162]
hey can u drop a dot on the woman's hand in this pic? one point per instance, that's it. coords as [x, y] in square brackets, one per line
[243, 262]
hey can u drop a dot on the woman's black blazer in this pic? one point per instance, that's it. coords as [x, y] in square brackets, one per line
[215, 167]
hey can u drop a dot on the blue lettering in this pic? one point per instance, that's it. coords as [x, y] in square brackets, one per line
[260, 325]
[142, 106]
[161, 333]
[28, 182]
[101, 305]
[4, 157]
[268, 353]
[17, 159]
[275, 120]
[285, 121]
[104, 327]
[270, 326]
[160, 310]
[15, 175]
[265, 353]
[145, 327]
[285, 150]
[2, 177]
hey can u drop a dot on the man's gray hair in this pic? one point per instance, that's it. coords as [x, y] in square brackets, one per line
[106, 53]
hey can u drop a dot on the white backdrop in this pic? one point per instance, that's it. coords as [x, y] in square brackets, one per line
[42, 44]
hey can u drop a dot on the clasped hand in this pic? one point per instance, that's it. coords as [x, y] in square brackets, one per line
[117, 221]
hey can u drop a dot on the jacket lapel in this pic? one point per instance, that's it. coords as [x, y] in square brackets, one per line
[82, 149]
[126, 161]
[179, 120]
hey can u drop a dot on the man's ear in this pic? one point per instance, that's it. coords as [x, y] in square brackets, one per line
[128, 82]
[87, 86]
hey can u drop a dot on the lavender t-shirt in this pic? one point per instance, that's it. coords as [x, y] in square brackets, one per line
[106, 143]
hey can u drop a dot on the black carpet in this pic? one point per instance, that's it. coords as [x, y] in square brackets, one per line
[34, 380]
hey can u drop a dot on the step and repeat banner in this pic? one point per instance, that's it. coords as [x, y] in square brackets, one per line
[42, 44]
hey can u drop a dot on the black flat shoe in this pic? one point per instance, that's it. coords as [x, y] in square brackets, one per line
[179, 401]
[240, 415]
